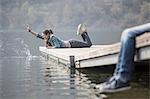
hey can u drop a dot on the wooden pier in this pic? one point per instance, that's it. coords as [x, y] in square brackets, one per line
[97, 55]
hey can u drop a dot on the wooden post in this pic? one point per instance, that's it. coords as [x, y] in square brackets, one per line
[72, 65]
[72, 73]
[72, 62]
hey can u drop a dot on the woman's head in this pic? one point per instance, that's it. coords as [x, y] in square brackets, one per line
[47, 33]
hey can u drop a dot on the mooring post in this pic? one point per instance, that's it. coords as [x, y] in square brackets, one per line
[72, 62]
[72, 65]
[72, 73]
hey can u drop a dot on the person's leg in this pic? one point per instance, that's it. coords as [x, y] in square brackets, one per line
[81, 44]
[77, 44]
[86, 38]
[81, 30]
[124, 68]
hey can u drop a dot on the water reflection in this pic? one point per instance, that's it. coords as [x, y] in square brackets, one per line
[36, 78]
[66, 82]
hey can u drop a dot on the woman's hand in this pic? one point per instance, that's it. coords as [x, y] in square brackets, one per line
[28, 28]
[46, 44]
[48, 47]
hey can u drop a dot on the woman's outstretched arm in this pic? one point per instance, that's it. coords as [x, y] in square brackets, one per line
[30, 31]
[34, 33]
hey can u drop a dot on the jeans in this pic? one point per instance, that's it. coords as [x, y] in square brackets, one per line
[80, 44]
[125, 66]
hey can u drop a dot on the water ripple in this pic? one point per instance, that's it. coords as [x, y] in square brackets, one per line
[40, 79]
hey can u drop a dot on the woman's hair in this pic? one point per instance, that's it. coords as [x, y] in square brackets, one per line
[47, 32]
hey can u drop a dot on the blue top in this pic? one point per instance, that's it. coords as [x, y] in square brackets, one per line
[54, 41]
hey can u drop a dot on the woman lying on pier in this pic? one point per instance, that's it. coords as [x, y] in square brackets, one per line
[51, 41]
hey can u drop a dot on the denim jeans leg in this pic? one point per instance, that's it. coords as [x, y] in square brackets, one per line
[86, 38]
[80, 44]
[125, 65]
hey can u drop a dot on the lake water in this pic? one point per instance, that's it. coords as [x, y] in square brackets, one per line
[36, 78]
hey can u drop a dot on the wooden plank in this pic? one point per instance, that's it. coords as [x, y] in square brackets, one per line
[98, 61]
[142, 54]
